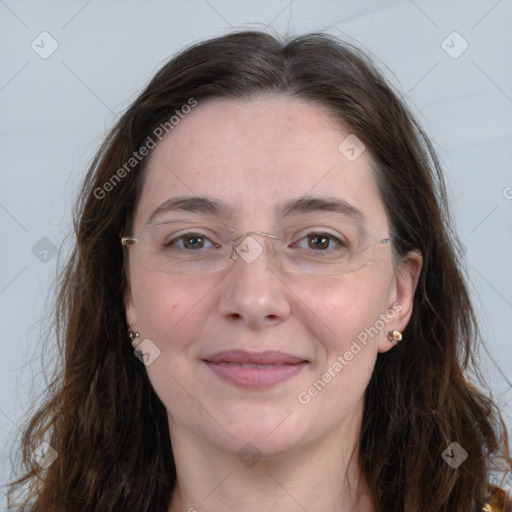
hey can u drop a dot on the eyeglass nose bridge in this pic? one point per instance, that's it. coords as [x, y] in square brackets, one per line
[234, 254]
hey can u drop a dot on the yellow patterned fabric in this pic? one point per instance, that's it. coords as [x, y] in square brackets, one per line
[499, 501]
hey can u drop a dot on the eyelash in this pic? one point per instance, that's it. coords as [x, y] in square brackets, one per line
[191, 234]
[341, 242]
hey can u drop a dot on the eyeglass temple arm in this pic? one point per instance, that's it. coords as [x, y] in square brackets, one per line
[128, 240]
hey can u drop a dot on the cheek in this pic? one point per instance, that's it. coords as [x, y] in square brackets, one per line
[352, 309]
[168, 307]
[352, 305]
[170, 313]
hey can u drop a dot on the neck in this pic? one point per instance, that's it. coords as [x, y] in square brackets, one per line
[323, 476]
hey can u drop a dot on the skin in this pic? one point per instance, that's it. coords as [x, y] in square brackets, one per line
[253, 155]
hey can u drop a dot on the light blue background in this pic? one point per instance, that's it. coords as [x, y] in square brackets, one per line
[55, 112]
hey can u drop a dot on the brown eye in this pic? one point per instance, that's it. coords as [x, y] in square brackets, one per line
[190, 241]
[193, 242]
[321, 242]
[318, 242]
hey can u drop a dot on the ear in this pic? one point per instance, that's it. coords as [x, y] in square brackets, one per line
[129, 307]
[402, 297]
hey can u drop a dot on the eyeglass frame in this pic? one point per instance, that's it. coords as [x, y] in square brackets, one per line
[126, 241]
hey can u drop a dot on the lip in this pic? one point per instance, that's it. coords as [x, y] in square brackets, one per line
[255, 370]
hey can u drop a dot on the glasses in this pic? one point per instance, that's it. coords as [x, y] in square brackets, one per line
[203, 247]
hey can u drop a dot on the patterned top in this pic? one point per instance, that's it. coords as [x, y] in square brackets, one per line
[499, 500]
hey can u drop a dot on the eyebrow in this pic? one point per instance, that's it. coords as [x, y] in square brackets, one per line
[210, 206]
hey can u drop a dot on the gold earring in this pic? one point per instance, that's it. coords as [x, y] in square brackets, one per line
[394, 336]
[133, 335]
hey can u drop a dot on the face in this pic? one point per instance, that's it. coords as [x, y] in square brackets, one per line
[217, 333]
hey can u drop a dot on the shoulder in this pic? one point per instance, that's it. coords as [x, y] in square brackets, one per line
[498, 500]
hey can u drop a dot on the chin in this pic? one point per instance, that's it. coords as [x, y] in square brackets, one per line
[269, 431]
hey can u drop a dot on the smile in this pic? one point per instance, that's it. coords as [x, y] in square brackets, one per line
[255, 370]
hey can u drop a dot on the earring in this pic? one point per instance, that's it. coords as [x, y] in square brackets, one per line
[133, 335]
[394, 336]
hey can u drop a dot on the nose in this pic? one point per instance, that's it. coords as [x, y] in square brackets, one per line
[254, 293]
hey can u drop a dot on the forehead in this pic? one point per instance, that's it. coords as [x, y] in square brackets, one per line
[257, 154]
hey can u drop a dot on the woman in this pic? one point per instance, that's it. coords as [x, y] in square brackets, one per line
[267, 227]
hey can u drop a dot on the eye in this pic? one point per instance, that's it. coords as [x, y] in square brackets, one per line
[321, 241]
[190, 241]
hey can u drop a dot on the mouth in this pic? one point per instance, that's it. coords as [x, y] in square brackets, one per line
[255, 370]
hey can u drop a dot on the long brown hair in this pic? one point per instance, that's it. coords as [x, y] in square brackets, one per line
[102, 416]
